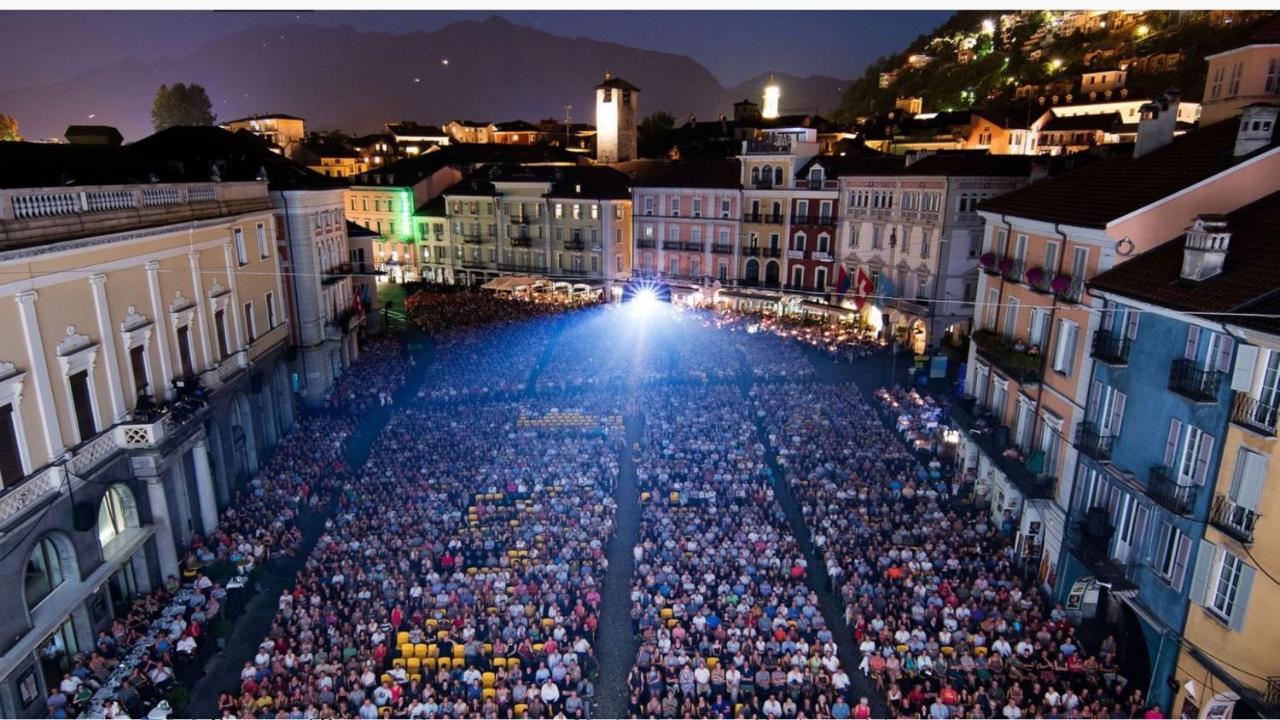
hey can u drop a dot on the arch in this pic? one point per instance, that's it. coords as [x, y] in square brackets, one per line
[771, 270]
[753, 270]
[284, 399]
[797, 276]
[117, 514]
[271, 422]
[218, 463]
[820, 279]
[766, 174]
[244, 450]
[777, 176]
[755, 175]
[51, 561]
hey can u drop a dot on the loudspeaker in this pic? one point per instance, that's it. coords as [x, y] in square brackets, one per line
[85, 515]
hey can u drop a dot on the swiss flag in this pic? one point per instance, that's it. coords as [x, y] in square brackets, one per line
[862, 287]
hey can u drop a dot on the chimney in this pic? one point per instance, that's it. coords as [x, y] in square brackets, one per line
[1156, 122]
[1205, 249]
[1257, 122]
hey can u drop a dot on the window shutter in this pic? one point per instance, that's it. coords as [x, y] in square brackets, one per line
[1180, 564]
[1131, 324]
[1202, 457]
[1193, 341]
[1242, 377]
[1204, 567]
[1241, 608]
[1225, 348]
[1251, 478]
[1171, 446]
[1117, 413]
[1092, 413]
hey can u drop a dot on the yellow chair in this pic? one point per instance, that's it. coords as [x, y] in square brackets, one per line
[901, 649]
[402, 637]
[667, 613]
[488, 693]
[398, 662]
[444, 663]
[947, 649]
[415, 677]
[414, 665]
[385, 677]
[521, 708]
[442, 635]
[458, 652]
[429, 663]
[488, 679]
[405, 650]
[537, 647]
[500, 662]
[980, 651]
[712, 662]
[431, 624]
[433, 650]
[672, 623]
[420, 650]
[487, 648]
[548, 623]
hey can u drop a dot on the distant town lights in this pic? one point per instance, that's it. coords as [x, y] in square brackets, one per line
[444, 61]
[1142, 30]
[1055, 63]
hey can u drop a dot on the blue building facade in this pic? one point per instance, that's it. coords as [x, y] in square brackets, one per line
[1158, 406]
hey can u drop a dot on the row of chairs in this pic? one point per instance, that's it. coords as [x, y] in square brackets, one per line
[416, 664]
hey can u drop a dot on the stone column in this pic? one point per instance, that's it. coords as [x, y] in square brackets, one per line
[165, 549]
[118, 407]
[163, 328]
[40, 374]
[204, 486]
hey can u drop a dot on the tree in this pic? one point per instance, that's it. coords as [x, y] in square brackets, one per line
[651, 133]
[180, 104]
[8, 128]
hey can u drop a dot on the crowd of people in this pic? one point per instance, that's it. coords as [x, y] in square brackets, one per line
[727, 626]
[946, 624]
[493, 361]
[373, 380]
[459, 577]
[436, 310]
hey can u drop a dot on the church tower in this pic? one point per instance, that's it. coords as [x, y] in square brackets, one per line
[771, 96]
[616, 103]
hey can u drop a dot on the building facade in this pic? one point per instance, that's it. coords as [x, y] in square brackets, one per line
[128, 299]
[687, 221]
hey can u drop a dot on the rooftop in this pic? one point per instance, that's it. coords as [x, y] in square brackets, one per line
[1100, 193]
[1248, 283]
[412, 128]
[266, 116]
[611, 81]
[697, 174]
[238, 156]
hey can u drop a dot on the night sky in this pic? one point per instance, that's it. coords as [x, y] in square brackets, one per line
[42, 47]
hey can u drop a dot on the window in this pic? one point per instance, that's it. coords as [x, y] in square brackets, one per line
[725, 207]
[595, 212]
[44, 572]
[11, 470]
[1064, 356]
[220, 324]
[577, 211]
[798, 241]
[1011, 318]
[674, 266]
[184, 351]
[797, 276]
[1196, 448]
[924, 244]
[1000, 397]
[824, 243]
[820, 279]
[697, 207]
[675, 206]
[1233, 88]
[559, 211]
[82, 404]
[802, 210]
[242, 256]
[1227, 588]
[271, 311]
[992, 308]
[1272, 84]
[249, 326]
[262, 240]
[648, 205]
[116, 514]
[1106, 408]
[1174, 551]
[876, 240]
[138, 368]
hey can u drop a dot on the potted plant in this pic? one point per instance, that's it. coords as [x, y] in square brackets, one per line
[987, 261]
[1061, 283]
[1035, 277]
[1006, 264]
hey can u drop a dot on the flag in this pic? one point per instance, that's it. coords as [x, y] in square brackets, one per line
[862, 288]
[886, 287]
[842, 281]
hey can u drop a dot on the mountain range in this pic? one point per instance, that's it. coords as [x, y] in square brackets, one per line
[341, 78]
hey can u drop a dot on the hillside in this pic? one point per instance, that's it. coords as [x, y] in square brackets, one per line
[337, 77]
[1006, 60]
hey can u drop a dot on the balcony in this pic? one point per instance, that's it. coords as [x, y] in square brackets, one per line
[692, 246]
[1094, 442]
[472, 238]
[762, 185]
[1091, 543]
[1164, 489]
[795, 254]
[990, 264]
[1192, 382]
[1111, 348]
[751, 251]
[521, 241]
[797, 288]
[521, 219]
[721, 249]
[766, 147]
[574, 245]
[670, 245]
[1021, 366]
[1067, 288]
[645, 244]
[336, 274]
[985, 431]
[772, 252]
[814, 184]
[752, 217]
[1012, 269]
[1038, 280]
[1251, 414]
[1232, 519]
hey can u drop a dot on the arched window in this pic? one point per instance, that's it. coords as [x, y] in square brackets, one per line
[797, 276]
[820, 279]
[324, 257]
[44, 571]
[777, 176]
[798, 241]
[755, 175]
[824, 243]
[117, 513]
[766, 173]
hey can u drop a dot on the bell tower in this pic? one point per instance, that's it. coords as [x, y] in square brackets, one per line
[617, 102]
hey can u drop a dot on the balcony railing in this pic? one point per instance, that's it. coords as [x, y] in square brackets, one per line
[1093, 547]
[1195, 383]
[722, 249]
[28, 204]
[813, 184]
[1164, 489]
[771, 252]
[1233, 519]
[645, 244]
[751, 250]
[1093, 441]
[1021, 366]
[336, 274]
[1111, 348]
[762, 184]
[766, 147]
[1013, 269]
[574, 244]
[982, 428]
[1250, 413]
[692, 246]
[670, 245]
[1073, 291]
[472, 238]
[521, 241]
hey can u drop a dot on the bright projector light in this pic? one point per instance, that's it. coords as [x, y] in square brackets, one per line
[644, 302]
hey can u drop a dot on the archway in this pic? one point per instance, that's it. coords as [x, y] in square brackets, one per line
[918, 337]
[753, 271]
[284, 399]
[117, 515]
[771, 273]
[243, 447]
[217, 458]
